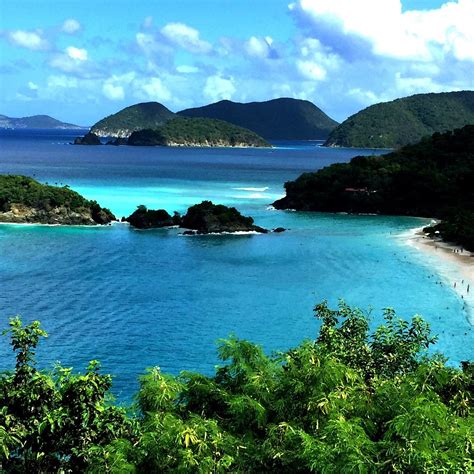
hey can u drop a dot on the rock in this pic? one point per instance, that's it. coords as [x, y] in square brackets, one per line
[143, 218]
[279, 229]
[88, 139]
[207, 218]
[189, 232]
[118, 141]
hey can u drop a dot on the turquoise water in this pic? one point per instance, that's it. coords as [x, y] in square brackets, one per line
[136, 299]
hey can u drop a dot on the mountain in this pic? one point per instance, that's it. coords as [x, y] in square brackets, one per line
[184, 131]
[278, 119]
[35, 121]
[404, 121]
[136, 117]
[432, 178]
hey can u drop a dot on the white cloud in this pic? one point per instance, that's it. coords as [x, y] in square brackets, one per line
[113, 92]
[315, 60]
[71, 26]
[185, 69]
[152, 89]
[79, 54]
[258, 47]
[62, 81]
[218, 88]
[391, 32]
[28, 39]
[32, 86]
[185, 37]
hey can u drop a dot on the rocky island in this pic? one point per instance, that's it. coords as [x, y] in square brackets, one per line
[25, 200]
[203, 218]
[432, 178]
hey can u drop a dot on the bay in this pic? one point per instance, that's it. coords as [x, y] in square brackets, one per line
[136, 299]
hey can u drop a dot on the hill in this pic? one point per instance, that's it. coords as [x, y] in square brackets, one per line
[35, 121]
[130, 119]
[25, 200]
[280, 119]
[183, 131]
[432, 178]
[404, 121]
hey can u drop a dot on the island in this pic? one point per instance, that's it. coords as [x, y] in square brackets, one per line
[203, 218]
[199, 132]
[25, 200]
[144, 218]
[278, 119]
[432, 178]
[404, 121]
[36, 121]
[130, 119]
[88, 139]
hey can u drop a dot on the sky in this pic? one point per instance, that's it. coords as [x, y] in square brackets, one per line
[79, 61]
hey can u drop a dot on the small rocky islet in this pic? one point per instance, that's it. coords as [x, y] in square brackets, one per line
[203, 218]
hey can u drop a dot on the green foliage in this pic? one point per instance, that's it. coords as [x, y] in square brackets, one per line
[196, 132]
[404, 121]
[351, 401]
[135, 117]
[144, 218]
[25, 191]
[282, 119]
[432, 178]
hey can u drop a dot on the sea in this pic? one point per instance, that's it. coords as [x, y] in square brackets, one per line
[136, 299]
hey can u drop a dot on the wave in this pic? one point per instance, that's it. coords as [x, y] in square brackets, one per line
[252, 196]
[252, 189]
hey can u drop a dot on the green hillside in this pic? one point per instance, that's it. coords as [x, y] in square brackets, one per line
[283, 119]
[130, 119]
[404, 121]
[182, 131]
[432, 178]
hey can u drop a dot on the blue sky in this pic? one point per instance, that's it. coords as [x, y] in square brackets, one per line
[81, 60]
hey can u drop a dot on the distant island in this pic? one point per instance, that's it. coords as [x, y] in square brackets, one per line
[177, 131]
[203, 218]
[25, 200]
[36, 121]
[147, 115]
[433, 178]
[404, 121]
[277, 119]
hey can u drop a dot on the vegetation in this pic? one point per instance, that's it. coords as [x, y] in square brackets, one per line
[88, 139]
[206, 218]
[350, 401]
[196, 132]
[404, 121]
[283, 119]
[45, 200]
[135, 117]
[144, 218]
[432, 178]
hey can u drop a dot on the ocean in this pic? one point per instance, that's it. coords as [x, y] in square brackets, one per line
[137, 299]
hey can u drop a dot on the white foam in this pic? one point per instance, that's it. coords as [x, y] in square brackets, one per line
[259, 190]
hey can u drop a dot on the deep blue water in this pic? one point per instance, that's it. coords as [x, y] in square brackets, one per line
[136, 299]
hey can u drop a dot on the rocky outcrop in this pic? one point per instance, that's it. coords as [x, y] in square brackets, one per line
[88, 139]
[144, 218]
[209, 218]
[61, 215]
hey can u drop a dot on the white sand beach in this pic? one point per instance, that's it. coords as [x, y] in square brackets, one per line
[453, 262]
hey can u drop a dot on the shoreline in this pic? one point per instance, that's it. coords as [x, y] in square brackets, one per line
[451, 261]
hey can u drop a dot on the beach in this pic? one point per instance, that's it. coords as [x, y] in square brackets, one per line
[454, 264]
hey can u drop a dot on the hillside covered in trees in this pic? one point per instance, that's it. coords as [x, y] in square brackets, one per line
[25, 200]
[277, 119]
[183, 131]
[432, 178]
[404, 121]
[350, 401]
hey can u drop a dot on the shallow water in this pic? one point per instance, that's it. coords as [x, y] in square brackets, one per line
[136, 299]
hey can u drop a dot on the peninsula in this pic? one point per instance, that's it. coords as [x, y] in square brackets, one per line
[404, 121]
[25, 200]
[432, 178]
